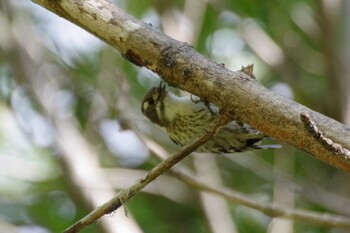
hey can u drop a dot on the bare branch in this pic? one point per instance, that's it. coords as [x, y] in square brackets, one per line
[124, 195]
[269, 209]
[179, 65]
[272, 210]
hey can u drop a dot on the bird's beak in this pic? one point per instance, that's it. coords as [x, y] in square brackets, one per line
[161, 86]
[161, 90]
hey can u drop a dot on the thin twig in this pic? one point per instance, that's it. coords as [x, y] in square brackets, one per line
[327, 143]
[126, 194]
[269, 209]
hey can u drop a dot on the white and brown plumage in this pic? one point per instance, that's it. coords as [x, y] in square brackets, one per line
[185, 120]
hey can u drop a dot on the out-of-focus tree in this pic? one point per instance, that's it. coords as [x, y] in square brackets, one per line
[70, 120]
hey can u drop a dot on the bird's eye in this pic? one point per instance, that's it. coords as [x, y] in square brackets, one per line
[151, 101]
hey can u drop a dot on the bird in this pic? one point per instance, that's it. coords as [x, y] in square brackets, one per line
[184, 120]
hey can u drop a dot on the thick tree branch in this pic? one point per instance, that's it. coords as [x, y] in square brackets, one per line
[179, 65]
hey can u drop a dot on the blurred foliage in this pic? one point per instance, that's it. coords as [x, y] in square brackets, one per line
[52, 72]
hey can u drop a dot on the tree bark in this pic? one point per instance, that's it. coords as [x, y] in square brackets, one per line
[236, 93]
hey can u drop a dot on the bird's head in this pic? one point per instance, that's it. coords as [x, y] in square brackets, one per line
[153, 105]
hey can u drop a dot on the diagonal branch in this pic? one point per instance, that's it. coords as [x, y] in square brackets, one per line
[126, 194]
[269, 209]
[179, 65]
